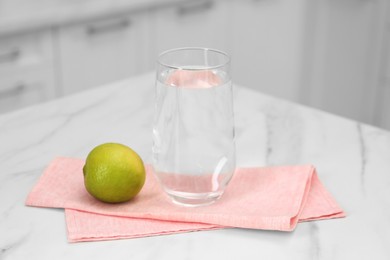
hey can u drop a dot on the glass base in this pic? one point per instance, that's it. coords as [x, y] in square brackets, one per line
[193, 199]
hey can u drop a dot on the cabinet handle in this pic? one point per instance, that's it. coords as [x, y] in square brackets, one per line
[194, 7]
[12, 91]
[108, 27]
[9, 56]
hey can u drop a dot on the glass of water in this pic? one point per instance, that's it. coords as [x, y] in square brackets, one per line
[193, 131]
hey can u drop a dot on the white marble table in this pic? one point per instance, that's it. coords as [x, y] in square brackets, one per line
[353, 162]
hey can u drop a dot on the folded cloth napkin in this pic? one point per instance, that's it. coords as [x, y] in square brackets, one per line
[84, 226]
[273, 198]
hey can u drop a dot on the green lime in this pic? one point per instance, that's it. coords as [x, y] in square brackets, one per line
[113, 173]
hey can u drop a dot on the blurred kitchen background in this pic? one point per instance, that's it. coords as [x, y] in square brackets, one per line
[329, 54]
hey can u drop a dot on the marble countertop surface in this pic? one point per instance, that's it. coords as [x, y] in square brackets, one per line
[24, 15]
[352, 159]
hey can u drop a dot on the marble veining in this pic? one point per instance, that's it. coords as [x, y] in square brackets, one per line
[362, 154]
[352, 160]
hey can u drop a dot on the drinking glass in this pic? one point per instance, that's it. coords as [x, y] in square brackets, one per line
[193, 131]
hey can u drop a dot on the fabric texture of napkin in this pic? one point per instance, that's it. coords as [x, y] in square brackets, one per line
[272, 198]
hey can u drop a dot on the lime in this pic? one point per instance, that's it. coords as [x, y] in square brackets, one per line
[113, 173]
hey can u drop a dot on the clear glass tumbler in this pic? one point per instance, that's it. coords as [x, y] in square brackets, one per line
[193, 131]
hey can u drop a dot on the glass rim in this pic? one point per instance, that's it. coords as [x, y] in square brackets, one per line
[196, 49]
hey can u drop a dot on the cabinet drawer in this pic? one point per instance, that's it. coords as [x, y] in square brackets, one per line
[267, 42]
[99, 52]
[25, 51]
[35, 86]
[201, 23]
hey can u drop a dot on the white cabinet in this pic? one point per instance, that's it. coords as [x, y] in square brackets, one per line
[267, 39]
[99, 52]
[33, 87]
[342, 75]
[385, 109]
[383, 104]
[191, 24]
[264, 38]
[27, 74]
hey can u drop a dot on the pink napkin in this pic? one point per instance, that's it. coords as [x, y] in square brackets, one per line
[84, 226]
[273, 198]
